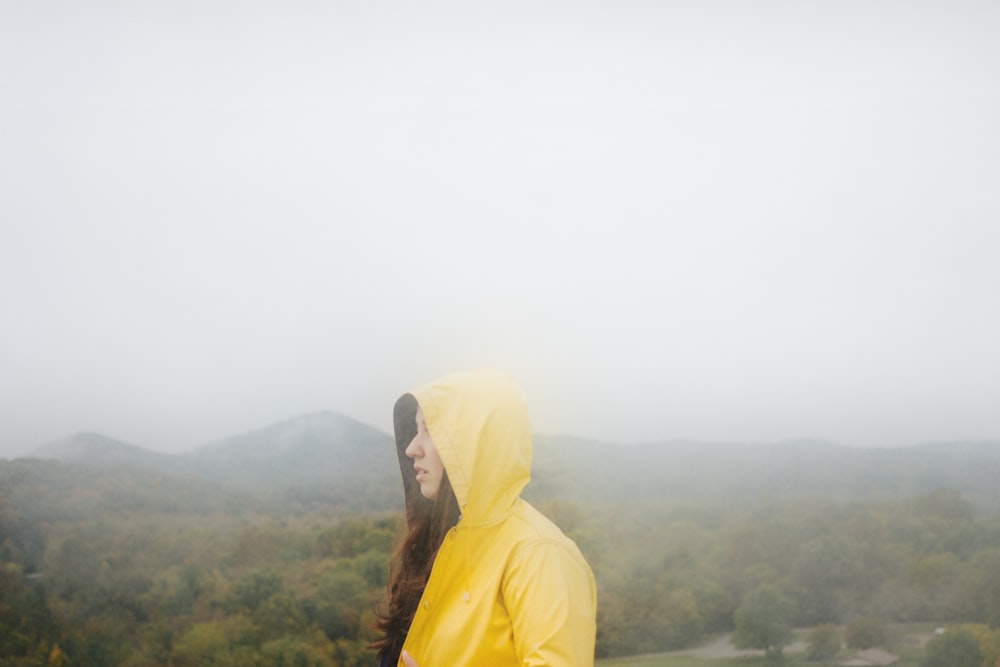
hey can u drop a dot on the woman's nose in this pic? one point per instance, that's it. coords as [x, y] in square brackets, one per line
[411, 449]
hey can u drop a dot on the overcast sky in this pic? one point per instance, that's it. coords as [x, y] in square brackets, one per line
[727, 221]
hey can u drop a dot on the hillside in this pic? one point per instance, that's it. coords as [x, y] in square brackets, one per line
[327, 459]
[580, 469]
[101, 450]
[267, 543]
[323, 458]
[66, 491]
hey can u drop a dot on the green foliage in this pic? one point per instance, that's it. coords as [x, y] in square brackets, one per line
[764, 620]
[254, 588]
[355, 536]
[864, 632]
[833, 571]
[955, 648]
[343, 594]
[946, 506]
[184, 590]
[646, 611]
[153, 584]
[112, 593]
[824, 642]
[278, 616]
[205, 643]
[984, 583]
[989, 643]
[28, 628]
[296, 651]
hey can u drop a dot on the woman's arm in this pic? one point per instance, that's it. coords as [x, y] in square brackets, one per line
[551, 597]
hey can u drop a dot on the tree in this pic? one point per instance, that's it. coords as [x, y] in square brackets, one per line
[862, 633]
[955, 648]
[685, 624]
[203, 643]
[989, 643]
[764, 620]
[278, 616]
[824, 642]
[253, 588]
[832, 570]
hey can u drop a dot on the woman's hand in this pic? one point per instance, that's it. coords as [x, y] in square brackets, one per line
[408, 661]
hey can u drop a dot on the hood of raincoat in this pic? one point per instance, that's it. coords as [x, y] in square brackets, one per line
[479, 424]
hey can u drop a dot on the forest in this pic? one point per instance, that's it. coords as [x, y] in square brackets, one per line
[124, 567]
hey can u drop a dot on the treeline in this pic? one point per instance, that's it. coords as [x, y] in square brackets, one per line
[122, 584]
[145, 591]
[668, 575]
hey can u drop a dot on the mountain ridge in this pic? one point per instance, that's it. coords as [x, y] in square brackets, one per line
[93, 447]
[327, 458]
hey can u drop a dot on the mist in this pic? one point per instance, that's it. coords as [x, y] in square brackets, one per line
[715, 221]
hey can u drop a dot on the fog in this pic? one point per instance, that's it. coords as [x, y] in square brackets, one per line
[723, 221]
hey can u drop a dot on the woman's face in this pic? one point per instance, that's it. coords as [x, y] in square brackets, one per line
[426, 461]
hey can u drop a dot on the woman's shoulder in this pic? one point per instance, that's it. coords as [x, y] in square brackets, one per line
[531, 526]
[537, 544]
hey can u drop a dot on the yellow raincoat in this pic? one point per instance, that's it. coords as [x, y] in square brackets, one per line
[507, 587]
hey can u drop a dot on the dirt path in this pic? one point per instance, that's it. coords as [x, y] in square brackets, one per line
[722, 647]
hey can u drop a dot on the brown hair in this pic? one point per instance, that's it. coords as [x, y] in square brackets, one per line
[428, 521]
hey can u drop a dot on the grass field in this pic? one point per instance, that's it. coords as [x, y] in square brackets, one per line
[658, 661]
[690, 661]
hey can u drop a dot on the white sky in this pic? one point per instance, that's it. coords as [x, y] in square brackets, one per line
[741, 221]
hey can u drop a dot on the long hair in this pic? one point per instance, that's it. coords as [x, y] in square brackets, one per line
[428, 521]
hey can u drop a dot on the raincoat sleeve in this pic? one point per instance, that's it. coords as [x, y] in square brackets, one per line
[551, 598]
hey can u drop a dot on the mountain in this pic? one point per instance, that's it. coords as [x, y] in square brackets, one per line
[51, 491]
[327, 460]
[322, 458]
[96, 449]
[322, 438]
[573, 468]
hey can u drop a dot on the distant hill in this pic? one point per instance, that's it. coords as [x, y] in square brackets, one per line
[96, 449]
[570, 467]
[329, 460]
[66, 491]
[321, 458]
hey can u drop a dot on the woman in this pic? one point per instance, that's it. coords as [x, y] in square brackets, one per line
[481, 578]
